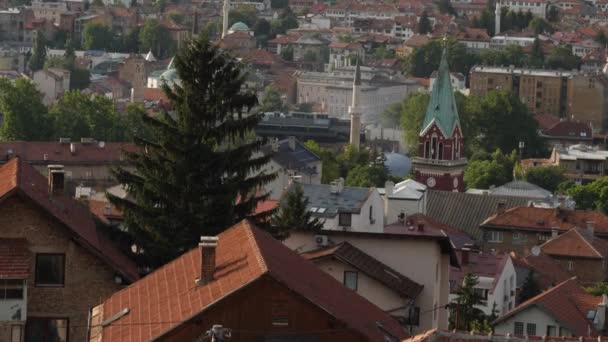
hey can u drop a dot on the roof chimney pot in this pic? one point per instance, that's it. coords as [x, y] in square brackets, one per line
[207, 248]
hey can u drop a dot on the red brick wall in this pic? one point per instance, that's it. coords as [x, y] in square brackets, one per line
[249, 313]
[88, 280]
[585, 269]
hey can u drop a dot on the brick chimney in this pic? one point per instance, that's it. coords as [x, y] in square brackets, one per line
[465, 256]
[56, 177]
[420, 226]
[207, 247]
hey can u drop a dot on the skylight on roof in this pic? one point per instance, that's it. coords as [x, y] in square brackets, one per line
[313, 209]
[321, 210]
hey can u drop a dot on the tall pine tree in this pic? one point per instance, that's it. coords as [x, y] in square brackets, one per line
[39, 55]
[200, 173]
[293, 214]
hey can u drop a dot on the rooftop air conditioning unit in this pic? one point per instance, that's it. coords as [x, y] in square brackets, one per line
[322, 240]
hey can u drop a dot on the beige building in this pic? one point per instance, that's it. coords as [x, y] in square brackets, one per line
[421, 254]
[581, 163]
[51, 11]
[332, 91]
[52, 83]
[134, 70]
[588, 100]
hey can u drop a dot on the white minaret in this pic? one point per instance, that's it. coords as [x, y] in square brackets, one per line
[497, 18]
[225, 11]
[355, 109]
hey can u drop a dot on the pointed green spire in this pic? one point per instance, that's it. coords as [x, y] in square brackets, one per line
[442, 105]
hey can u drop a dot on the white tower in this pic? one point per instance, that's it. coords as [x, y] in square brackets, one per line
[225, 11]
[355, 109]
[497, 18]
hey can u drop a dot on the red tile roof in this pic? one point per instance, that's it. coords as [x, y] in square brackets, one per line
[545, 219]
[14, 259]
[351, 255]
[58, 153]
[570, 129]
[244, 253]
[431, 228]
[480, 264]
[567, 302]
[104, 211]
[155, 94]
[575, 243]
[263, 57]
[548, 272]
[546, 121]
[19, 178]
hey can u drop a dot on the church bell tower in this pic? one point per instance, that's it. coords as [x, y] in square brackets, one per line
[440, 163]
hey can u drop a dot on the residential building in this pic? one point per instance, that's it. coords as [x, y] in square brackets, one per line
[440, 141]
[332, 91]
[457, 79]
[279, 296]
[466, 211]
[496, 276]
[500, 42]
[11, 59]
[344, 14]
[239, 42]
[519, 188]
[12, 21]
[564, 310]
[86, 162]
[465, 336]
[475, 39]
[308, 49]
[582, 163]
[546, 272]
[520, 229]
[292, 162]
[179, 33]
[428, 246]
[404, 198]
[56, 262]
[52, 83]
[538, 8]
[49, 10]
[587, 96]
[342, 54]
[375, 281]
[342, 207]
[566, 133]
[580, 252]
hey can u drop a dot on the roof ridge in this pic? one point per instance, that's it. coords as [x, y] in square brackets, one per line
[254, 244]
[587, 241]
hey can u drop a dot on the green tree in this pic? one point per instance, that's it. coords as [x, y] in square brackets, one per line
[271, 101]
[160, 5]
[245, 14]
[287, 53]
[39, 54]
[262, 30]
[78, 115]
[425, 59]
[539, 26]
[279, 4]
[598, 289]
[293, 214]
[199, 173]
[24, 116]
[591, 196]
[97, 37]
[381, 52]
[547, 177]
[133, 123]
[529, 288]
[155, 37]
[602, 38]
[537, 58]
[486, 170]
[412, 112]
[287, 20]
[553, 14]
[424, 24]
[445, 6]
[463, 313]
[130, 41]
[561, 57]
[54, 62]
[310, 56]
[367, 176]
[70, 55]
[331, 168]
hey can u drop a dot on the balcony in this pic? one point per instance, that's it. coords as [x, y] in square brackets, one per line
[458, 162]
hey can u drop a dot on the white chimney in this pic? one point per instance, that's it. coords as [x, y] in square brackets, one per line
[590, 229]
[554, 232]
[275, 145]
[291, 140]
[388, 188]
[600, 315]
[72, 148]
[333, 187]
[340, 185]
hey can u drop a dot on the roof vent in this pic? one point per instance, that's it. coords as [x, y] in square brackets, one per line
[64, 140]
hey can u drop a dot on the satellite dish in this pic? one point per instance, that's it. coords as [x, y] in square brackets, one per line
[535, 250]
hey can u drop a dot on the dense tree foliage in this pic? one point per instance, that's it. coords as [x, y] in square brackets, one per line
[598, 289]
[424, 24]
[24, 116]
[424, 60]
[411, 113]
[271, 101]
[463, 313]
[38, 57]
[547, 177]
[293, 214]
[199, 173]
[331, 169]
[154, 37]
[97, 37]
[591, 196]
[485, 170]
[529, 288]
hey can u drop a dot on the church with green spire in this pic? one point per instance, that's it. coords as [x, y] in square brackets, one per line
[440, 163]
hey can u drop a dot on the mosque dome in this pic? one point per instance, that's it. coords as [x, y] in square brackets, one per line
[169, 76]
[398, 165]
[240, 26]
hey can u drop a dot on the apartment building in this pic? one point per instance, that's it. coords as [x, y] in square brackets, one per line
[51, 11]
[11, 24]
[538, 8]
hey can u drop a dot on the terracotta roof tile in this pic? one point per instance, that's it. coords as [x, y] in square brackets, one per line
[569, 129]
[18, 177]
[14, 259]
[168, 296]
[480, 264]
[367, 264]
[546, 219]
[104, 210]
[546, 121]
[575, 243]
[58, 153]
[567, 302]
[548, 272]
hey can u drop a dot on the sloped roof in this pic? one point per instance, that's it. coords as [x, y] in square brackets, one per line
[58, 153]
[575, 243]
[545, 219]
[369, 265]
[567, 302]
[480, 264]
[548, 272]
[14, 258]
[19, 178]
[570, 130]
[349, 200]
[297, 159]
[244, 254]
[442, 108]
[457, 237]
[520, 188]
[467, 211]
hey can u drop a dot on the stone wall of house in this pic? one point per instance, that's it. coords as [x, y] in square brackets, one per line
[88, 279]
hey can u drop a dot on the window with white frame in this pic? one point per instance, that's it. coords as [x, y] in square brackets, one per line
[493, 236]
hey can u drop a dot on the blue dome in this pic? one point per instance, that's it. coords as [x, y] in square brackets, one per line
[240, 26]
[169, 76]
[399, 165]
